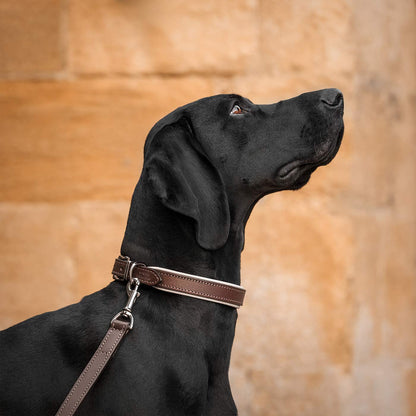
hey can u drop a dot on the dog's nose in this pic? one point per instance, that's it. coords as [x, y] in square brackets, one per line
[332, 97]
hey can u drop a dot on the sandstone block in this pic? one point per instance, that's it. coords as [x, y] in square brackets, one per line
[101, 232]
[387, 54]
[37, 270]
[161, 36]
[31, 38]
[306, 37]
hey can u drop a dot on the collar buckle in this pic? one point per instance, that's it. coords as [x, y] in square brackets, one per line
[121, 270]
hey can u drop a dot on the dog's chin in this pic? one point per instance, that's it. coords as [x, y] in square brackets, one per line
[297, 173]
[297, 177]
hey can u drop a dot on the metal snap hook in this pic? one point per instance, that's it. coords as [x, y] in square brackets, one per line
[132, 289]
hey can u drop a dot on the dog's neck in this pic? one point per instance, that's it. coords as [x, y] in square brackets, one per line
[158, 236]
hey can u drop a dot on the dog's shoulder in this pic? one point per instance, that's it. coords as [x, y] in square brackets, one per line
[78, 319]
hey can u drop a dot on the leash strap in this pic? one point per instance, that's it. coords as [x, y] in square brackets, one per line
[120, 325]
[180, 283]
[93, 369]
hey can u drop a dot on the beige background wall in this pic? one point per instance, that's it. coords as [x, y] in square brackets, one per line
[329, 325]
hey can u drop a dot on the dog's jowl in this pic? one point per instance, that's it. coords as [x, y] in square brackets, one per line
[206, 164]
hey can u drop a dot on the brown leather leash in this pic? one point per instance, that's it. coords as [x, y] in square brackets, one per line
[162, 279]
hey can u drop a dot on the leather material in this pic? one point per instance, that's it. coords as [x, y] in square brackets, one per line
[180, 283]
[146, 275]
[94, 368]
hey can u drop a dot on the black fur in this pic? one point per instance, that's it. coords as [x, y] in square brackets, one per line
[204, 170]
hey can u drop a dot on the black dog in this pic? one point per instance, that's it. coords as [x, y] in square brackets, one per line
[206, 165]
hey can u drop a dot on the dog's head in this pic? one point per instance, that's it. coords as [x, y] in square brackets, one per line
[206, 157]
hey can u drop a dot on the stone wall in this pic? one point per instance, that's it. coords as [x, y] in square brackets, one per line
[329, 325]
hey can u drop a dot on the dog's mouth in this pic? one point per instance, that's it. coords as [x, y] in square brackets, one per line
[297, 168]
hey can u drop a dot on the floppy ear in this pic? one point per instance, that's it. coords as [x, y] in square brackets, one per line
[186, 182]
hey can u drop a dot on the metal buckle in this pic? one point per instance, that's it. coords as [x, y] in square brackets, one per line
[126, 271]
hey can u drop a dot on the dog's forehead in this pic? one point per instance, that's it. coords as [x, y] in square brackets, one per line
[215, 101]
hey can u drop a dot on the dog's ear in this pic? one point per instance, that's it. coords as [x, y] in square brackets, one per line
[187, 182]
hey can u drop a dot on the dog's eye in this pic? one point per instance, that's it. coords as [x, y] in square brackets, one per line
[236, 110]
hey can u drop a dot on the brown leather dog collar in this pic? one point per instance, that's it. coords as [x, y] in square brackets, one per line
[180, 283]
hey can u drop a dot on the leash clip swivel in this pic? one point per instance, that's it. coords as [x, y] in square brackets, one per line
[133, 293]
